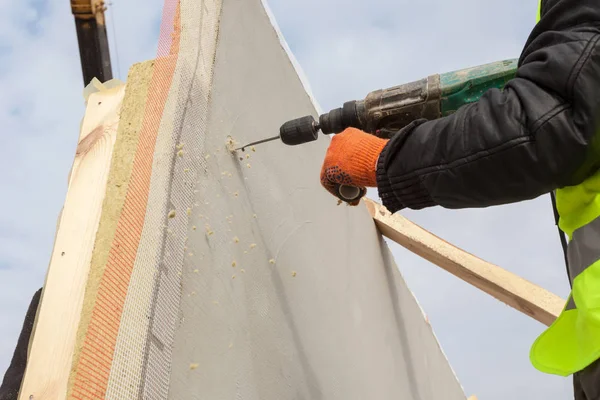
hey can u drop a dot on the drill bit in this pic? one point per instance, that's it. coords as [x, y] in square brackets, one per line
[243, 148]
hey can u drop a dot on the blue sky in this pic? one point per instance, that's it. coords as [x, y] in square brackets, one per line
[346, 50]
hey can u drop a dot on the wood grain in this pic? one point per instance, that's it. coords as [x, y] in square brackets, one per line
[51, 350]
[505, 286]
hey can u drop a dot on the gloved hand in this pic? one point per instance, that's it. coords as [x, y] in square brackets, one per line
[352, 160]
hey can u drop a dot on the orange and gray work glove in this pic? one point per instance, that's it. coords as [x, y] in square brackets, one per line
[351, 160]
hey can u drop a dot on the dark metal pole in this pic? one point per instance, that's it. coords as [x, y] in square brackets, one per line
[93, 40]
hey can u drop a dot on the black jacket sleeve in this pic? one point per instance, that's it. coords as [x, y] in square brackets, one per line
[13, 378]
[539, 133]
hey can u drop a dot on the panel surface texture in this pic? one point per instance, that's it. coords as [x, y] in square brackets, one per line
[285, 294]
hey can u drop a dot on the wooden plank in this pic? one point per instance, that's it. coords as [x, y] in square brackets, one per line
[51, 350]
[505, 286]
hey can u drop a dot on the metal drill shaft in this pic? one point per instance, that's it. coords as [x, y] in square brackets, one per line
[294, 132]
[243, 148]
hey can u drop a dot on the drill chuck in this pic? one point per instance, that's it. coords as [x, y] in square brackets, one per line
[306, 129]
[298, 131]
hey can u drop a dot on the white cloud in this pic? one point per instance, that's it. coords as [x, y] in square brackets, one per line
[346, 49]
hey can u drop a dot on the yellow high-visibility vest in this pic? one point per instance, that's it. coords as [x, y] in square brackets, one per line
[572, 342]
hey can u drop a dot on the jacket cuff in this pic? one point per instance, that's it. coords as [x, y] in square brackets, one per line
[409, 192]
[384, 187]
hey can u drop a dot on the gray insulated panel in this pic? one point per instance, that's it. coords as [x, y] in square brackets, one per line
[283, 293]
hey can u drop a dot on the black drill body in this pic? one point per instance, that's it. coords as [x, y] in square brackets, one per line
[381, 113]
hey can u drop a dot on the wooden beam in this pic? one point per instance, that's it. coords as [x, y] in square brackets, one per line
[505, 286]
[57, 321]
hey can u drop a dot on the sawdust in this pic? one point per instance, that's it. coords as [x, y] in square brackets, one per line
[230, 144]
[209, 231]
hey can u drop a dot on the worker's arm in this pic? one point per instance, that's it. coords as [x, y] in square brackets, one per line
[538, 134]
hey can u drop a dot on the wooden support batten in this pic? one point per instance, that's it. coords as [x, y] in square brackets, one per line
[501, 284]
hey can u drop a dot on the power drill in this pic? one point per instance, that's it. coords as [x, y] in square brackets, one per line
[383, 112]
